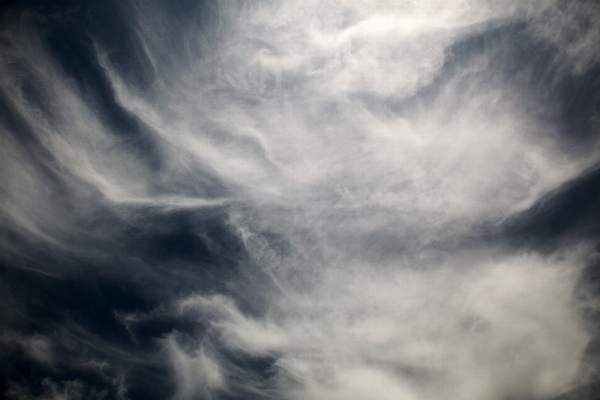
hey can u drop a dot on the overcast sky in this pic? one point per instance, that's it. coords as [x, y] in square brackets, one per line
[300, 199]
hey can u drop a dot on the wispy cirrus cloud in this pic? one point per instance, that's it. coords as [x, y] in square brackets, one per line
[300, 200]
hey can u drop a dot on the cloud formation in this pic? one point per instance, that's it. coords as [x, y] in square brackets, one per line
[328, 200]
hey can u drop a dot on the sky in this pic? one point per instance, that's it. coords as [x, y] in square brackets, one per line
[341, 199]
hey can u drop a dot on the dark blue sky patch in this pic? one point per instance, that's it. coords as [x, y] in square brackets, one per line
[572, 209]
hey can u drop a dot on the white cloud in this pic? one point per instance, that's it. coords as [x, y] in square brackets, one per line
[313, 117]
[469, 329]
[198, 375]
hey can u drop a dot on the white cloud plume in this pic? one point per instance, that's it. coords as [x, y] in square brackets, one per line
[475, 327]
[274, 109]
[198, 375]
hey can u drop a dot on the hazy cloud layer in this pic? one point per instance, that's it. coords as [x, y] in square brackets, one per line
[299, 200]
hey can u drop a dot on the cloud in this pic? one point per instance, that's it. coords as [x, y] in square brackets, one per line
[274, 110]
[300, 199]
[69, 390]
[473, 328]
[37, 347]
[198, 375]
